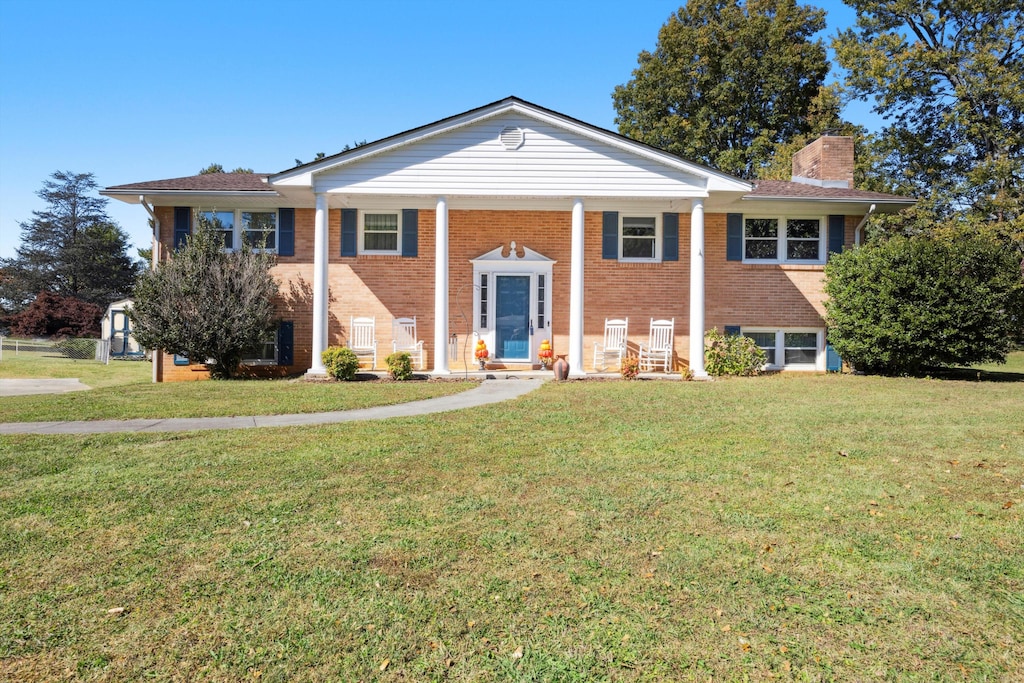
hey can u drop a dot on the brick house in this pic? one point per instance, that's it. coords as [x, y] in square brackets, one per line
[514, 223]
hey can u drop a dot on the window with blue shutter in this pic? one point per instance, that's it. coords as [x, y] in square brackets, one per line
[836, 234]
[670, 237]
[349, 231]
[410, 232]
[286, 233]
[182, 226]
[734, 237]
[610, 235]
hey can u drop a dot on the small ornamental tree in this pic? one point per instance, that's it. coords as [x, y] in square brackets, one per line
[907, 304]
[52, 315]
[205, 303]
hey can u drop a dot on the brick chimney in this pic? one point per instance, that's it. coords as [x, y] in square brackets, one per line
[826, 162]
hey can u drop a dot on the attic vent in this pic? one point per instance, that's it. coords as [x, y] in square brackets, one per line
[511, 138]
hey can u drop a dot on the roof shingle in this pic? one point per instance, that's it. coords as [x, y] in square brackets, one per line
[208, 182]
[784, 189]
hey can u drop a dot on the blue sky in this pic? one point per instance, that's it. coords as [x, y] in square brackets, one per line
[144, 90]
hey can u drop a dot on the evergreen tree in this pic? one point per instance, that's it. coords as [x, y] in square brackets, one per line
[71, 248]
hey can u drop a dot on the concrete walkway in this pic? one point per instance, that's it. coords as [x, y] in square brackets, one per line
[489, 391]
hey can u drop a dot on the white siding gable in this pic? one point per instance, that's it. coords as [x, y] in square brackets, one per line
[472, 161]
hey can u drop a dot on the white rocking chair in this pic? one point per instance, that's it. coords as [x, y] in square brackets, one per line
[614, 347]
[657, 352]
[403, 335]
[362, 338]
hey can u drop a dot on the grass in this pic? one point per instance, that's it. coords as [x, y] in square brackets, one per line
[786, 527]
[126, 391]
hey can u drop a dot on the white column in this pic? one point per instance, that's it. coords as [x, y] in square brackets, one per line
[319, 286]
[697, 289]
[576, 290]
[441, 288]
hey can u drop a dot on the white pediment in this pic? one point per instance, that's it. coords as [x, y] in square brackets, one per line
[512, 254]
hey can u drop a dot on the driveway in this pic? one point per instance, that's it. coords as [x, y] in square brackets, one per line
[26, 387]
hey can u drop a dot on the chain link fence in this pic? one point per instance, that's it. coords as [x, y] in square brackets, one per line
[70, 347]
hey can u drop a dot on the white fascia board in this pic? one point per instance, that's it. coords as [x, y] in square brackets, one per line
[855, 205]
[130, 197]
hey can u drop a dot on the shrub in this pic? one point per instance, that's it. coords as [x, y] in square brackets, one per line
[399, 365]
[341, 362]
[630, 368]
[204, 302]
[732, 355]
[907, 304]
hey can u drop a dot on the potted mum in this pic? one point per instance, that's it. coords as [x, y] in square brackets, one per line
[481, 353]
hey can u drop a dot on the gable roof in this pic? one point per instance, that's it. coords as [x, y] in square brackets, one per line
[302, 176]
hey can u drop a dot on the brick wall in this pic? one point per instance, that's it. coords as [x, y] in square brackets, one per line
[393, 286]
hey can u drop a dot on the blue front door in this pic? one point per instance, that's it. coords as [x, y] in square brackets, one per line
[512, 318]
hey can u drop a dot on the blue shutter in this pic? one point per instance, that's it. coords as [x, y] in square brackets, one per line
[836, 234]
[732, 330]
[734, 237]
[348, 232]
[410, 232]
[285, 342]
[610, 235]
[182, 225]
[833, 363]
[286, 232]
[670, 237]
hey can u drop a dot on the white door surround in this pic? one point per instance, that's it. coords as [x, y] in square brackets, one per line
[512, 328]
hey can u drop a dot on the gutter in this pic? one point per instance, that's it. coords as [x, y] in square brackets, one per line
[155, 256]
[860, 226]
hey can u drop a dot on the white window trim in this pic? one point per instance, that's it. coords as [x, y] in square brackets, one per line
[780, 347]
[780, 240]
[362, 229]
[657, 236]
[237, 232]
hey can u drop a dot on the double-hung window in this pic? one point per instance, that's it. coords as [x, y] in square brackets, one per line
[783, 240]
[639, 238]
[264, 353]
[381, 233]
[799, 349]
[258, 228]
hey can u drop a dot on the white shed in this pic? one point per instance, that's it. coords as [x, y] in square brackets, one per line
[117, 330]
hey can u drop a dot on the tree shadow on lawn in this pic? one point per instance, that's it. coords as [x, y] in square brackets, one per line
[971, 375]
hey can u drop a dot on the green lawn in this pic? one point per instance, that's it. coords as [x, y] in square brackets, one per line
[125, 390]
[788, 527]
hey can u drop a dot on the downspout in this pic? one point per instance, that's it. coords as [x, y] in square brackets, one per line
[860, 226]
[155, 256]
[153, 259]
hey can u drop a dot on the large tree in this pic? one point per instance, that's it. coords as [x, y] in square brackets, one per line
[727, 82]
[205, 303]
[71, 248]
[947, 75]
